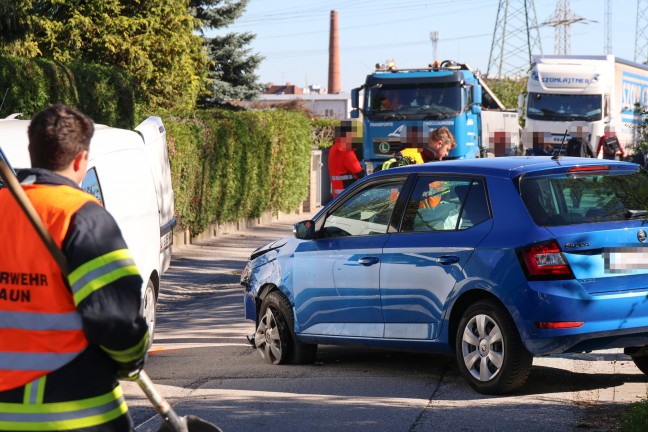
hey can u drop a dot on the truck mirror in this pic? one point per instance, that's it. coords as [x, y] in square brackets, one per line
[477, 95]
[355, 113]
[354, 97]
[476, 109]
[520, 102]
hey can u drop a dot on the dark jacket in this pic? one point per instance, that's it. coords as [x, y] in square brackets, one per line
[579, 148]
[108, 298]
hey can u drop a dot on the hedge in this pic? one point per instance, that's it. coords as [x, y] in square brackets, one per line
[227, 166]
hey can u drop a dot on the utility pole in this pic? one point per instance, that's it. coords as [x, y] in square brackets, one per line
[641, 33]
[515, 38]
[434, 37]
[608, 27]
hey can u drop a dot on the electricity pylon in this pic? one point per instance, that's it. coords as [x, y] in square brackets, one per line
[515, 38]
[641, 33]
[561, 20]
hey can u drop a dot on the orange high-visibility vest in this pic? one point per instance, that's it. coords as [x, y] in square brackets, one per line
[40, 329]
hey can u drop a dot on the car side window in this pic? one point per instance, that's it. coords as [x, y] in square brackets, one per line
[445, 204]
[366, 213]
[91, 185]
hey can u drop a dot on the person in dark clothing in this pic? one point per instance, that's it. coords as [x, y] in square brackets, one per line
[578, 144]
[65, 339]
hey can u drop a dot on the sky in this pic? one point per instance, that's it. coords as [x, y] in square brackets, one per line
[293, 35]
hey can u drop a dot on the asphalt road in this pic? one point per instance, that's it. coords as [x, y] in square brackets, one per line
[202, 364]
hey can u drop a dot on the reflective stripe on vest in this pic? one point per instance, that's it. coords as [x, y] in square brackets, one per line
[101, 271]
[129, 354]
[343, 177]
[63, 415]
[40, 329]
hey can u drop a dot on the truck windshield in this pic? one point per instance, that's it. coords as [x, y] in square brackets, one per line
[560, 107]
[413, 102]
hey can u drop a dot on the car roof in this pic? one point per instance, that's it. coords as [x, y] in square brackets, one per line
[507, 166]
[106, 139]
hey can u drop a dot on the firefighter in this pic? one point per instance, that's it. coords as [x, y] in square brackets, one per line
[440, 142]
[64, 342]
[343, 165]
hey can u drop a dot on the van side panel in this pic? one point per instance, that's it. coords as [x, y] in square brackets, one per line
[129, 195]
[155, 147]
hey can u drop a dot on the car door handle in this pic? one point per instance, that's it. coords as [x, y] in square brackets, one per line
[368, 261]
[447, 259]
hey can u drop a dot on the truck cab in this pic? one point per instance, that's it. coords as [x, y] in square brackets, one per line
[398, 101]
[129, 173]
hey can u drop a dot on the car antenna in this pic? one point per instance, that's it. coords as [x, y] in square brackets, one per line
[556, 157]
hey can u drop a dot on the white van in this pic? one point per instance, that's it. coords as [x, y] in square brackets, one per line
[129, 172]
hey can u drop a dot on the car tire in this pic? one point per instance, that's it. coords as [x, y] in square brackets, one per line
[489, 351]
[641, 362]
[275, 338]
[149, 302]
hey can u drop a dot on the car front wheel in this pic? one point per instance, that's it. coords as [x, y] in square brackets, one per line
[275, 339]
[489, 350]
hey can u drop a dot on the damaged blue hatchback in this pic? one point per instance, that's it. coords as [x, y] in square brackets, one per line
[492, 260]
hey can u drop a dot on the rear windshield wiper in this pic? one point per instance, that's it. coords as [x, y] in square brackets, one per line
[631, 214]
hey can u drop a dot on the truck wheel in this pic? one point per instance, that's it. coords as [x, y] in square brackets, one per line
[489, 351]
[149, 302]
[275, 338]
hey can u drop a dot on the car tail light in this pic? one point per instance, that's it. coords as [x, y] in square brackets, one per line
[545, 261]
[590, 168]
[558, 324]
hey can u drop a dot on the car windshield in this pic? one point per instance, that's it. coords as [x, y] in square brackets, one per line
[570, 200]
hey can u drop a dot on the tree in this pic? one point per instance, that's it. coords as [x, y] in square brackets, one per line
[232, 69]
[153, 41]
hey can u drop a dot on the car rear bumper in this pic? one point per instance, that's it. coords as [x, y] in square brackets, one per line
[611, 320]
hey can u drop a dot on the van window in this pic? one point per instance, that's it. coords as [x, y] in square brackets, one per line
[91, 185]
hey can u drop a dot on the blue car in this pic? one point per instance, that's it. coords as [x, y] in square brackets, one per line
[492, 260]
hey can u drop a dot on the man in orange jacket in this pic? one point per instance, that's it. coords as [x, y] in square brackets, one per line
[64, 340]
[343, 165]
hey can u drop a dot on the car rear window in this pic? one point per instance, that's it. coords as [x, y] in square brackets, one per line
[586, 198]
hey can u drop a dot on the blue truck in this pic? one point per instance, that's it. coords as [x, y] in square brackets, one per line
[401, 106]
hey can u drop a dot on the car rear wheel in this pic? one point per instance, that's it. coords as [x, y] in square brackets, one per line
[489, 350]
[148, 310]
[275, 338]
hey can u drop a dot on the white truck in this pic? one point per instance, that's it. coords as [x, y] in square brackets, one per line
[129, 173]
[603, 91]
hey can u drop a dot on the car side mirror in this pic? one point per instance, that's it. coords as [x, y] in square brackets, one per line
[304, 230]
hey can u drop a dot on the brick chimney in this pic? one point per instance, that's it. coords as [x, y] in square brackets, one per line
[334, 56]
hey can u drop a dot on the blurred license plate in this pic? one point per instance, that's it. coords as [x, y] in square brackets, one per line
[166, 241]
[626, 260]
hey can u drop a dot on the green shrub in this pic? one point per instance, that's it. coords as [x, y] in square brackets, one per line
[230, 165]
[106, 94]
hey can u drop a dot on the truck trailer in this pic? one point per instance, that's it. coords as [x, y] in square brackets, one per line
[604, 92]
[400, 107]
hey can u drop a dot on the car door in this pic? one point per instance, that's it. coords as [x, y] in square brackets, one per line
[336, 276]
[445, 219]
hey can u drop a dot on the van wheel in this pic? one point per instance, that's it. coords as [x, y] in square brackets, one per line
[275, 337]
[490, 353]
[148, 310]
